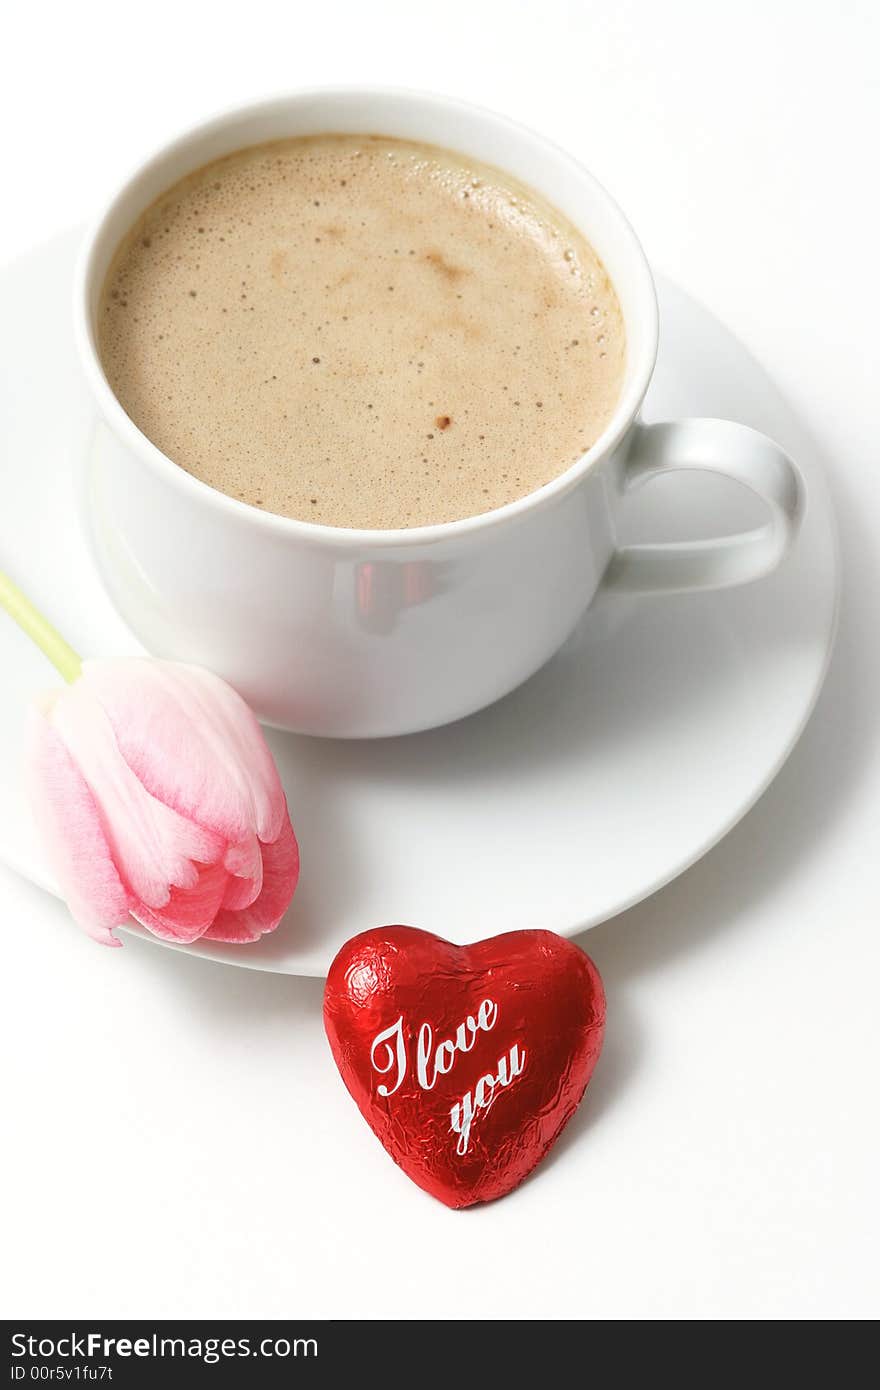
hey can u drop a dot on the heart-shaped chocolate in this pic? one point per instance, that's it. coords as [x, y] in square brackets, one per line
[466, 1061]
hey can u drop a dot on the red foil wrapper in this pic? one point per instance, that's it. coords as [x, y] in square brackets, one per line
[466, 1061]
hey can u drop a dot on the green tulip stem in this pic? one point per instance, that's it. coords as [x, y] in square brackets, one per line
[39, 629]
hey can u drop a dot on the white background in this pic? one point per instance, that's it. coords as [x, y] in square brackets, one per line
[177, 1141]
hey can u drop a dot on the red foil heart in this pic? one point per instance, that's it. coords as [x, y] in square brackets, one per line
[466, 1061]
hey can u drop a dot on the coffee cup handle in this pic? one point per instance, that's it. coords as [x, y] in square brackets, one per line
[714, 446]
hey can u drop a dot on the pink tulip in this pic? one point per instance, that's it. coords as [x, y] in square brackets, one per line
[157, 797]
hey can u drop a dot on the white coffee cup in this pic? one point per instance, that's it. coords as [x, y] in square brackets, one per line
[357, 633]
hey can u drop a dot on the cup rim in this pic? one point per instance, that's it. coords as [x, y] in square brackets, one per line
[624, 413]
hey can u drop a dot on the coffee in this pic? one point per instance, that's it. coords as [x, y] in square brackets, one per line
[362, 331]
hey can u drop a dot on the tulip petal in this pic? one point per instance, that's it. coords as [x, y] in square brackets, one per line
[70, 826]
[189, 910]
[245, 865]
[280, 875]
[193, 743]
[153, 847]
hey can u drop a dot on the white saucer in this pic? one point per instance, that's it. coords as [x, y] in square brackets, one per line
[607, 774]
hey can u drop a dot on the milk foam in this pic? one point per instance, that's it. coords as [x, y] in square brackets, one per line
[360, 331]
